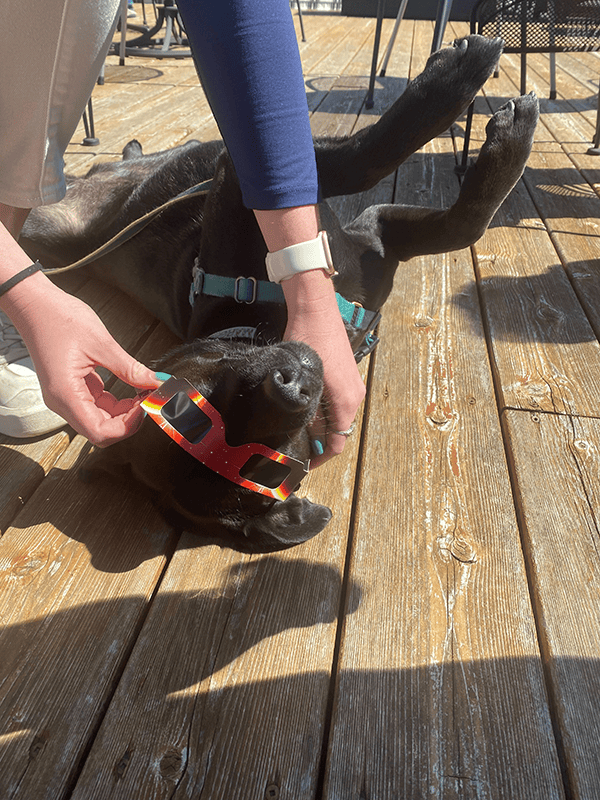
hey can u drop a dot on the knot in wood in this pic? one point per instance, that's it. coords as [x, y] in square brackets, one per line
[581, 444]
[37, 747]
[121, 766]
[549, 314]
[462, 551]
[170, 763]
[423, 322]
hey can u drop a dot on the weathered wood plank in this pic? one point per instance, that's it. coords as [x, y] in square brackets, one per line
[557, 468]
[546, 354]
[187, 111]
[323, 32]
[563, 184]
[330, 54]
[77, 569]
[23, 466]
[439, 687]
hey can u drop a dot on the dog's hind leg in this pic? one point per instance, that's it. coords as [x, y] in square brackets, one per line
[403, 232]
[430, 104]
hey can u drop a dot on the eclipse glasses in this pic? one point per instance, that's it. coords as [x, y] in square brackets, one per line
[197, 427]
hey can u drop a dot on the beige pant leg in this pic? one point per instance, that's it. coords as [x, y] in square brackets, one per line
[49, 63]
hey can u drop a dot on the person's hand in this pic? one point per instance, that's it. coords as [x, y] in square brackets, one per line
[66, 341]
[314, 318]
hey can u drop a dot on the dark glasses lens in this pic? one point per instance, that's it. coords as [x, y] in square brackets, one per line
[265, 472]
[185, 416]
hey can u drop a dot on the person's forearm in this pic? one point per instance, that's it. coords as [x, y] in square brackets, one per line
[309, 292]
[13, 259]
[287, 226]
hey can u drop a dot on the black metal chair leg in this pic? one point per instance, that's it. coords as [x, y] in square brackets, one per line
[594, 150]
[441, 20]
[380, 8]
[301, 21]
[461, 168]
[88, 123]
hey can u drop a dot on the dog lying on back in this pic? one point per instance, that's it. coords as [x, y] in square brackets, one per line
[266, 390]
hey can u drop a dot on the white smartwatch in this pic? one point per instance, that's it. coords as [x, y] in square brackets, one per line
[314, 254]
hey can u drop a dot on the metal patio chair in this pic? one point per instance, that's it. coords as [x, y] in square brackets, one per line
[538, 26]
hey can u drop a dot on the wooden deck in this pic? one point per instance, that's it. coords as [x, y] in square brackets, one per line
[441, 638]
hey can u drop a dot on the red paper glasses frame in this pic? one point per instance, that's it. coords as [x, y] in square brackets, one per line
[197, 427]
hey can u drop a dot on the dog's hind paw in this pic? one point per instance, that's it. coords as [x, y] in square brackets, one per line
[461, 70]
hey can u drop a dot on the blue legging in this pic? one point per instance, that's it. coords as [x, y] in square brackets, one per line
[247, 58]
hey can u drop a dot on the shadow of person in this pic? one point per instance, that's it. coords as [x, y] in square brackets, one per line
[20, 474]
[406, 732]
[252, 612]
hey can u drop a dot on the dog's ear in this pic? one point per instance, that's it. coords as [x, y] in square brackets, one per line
[287, 523]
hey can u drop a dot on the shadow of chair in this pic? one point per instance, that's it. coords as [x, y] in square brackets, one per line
[538, 26]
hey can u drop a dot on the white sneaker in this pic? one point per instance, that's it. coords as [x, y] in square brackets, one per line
[130, 12]
[22, 409]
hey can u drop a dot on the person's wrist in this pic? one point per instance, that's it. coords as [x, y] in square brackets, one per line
[30, 301]
[310, 292]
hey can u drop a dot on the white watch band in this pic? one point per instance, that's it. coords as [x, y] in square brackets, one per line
[314, 254]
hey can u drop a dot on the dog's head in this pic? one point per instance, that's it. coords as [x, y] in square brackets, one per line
[265, 394]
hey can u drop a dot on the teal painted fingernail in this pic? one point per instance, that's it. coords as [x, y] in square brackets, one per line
[317, 446]
[162, 376]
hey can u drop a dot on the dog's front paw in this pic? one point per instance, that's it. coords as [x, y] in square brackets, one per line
[509, 135]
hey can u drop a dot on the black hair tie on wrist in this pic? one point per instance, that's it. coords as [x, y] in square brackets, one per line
[20, 276]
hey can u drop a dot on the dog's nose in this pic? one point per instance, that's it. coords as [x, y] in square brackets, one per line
[286, 385]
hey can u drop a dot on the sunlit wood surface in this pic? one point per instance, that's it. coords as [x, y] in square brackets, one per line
[441, 638]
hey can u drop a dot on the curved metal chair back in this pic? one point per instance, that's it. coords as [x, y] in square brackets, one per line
[537, 26]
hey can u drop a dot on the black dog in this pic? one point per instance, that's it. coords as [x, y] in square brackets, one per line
[265, 390]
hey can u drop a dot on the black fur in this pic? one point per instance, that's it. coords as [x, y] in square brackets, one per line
[155, 267]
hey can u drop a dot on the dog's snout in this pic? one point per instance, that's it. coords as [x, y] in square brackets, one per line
[287, 385]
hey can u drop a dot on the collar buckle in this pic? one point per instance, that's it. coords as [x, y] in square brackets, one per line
[197, 283]
[241, 289]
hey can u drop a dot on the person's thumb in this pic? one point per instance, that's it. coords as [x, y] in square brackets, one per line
[129, 370]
